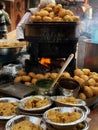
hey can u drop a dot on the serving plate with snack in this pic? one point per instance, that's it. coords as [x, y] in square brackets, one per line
[64, 117]
[35, 104]
[67, 101]
[11, 47]
[81, 126]
[25, 123]
[70, 101]
[11, 44]
[8, 107]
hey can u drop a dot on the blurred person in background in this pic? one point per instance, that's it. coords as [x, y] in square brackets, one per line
[33, 48]
[26, 18]
[5, 21]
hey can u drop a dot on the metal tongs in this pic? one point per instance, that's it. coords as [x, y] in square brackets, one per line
[60, 73]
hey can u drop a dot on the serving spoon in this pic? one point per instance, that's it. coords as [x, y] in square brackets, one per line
[51, 90]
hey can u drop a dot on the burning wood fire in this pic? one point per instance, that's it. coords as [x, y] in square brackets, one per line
[45, 61]
[52, 63]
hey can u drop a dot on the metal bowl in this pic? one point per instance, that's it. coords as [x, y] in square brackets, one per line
[34, 110]
[10, 47]
[85, 125]
[62, 126]
[91, 101]
[43, 86]
[79, 103]
[8, 99]
[10, 51]
[68, 87]
[37, 121]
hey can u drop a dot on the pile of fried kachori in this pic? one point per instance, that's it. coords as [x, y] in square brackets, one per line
[88, 82]
[87, 79]
[54, 13]
[31, 78]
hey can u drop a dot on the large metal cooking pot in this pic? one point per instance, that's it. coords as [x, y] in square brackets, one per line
[50, 31]
[54, 39]
[88, 55]
[9, 50]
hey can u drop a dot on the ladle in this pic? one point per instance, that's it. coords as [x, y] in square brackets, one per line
[60, 72]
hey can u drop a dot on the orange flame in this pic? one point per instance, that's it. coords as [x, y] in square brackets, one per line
[45, 61]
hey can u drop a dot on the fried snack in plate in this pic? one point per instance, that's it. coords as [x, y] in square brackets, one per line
[8, 107]
[25, 125]
[67, 101]
[64, 117]
[71, 100]
[25, 122]
[35, 103]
